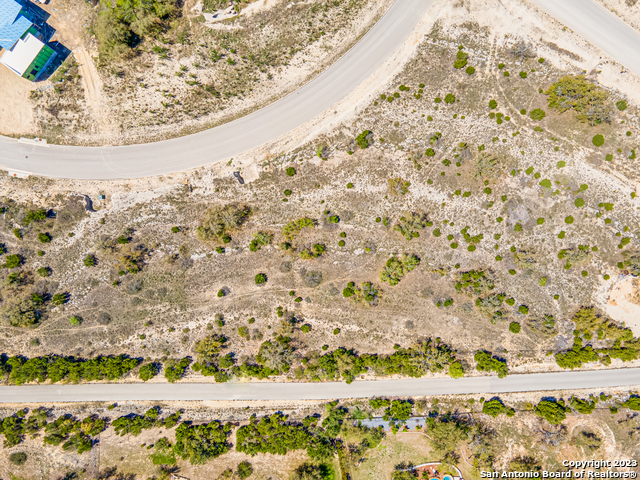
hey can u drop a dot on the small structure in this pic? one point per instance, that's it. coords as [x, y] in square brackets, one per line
[25, 54]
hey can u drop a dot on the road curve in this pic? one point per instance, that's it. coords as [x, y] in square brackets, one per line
[233, 138]
[320, 391]
[590, 20]
[598, 26]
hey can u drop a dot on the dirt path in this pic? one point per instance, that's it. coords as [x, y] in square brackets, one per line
[92, 85]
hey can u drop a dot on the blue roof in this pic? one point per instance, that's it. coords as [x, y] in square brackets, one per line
[12, 24]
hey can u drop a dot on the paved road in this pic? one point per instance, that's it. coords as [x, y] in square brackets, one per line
[599, 27]
[233, 138]
[586, 17]
[320, 391]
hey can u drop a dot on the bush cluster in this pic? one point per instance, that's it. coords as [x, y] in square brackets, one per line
[488, 363]
[586, 98]
[71, 369]
[396, 268]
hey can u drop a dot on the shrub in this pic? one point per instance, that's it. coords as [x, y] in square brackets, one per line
[13, 261]
[449, 98]
[537, 114]
[495, 407]
[291, 229]
[148, 371]
[598, 140]
[221, 293]
[523, 74]
[59, 299]
[514, 327]
[579, 202]
[456, 370]
[461, 60]
[585, 407]
[396, 268]
[568, 220]
[487, 363]
[38, 215]
[493, 104]
[621, 105]
[586, 98]
[551, 411]
[430, 152]
[323, 151]
[470, 70]
[175, 229]
[540, 221]
[43, 271]
[377, 403]
[120, 27]
[632, 403]
[410, 224]
[336, 331]
[349, 185]
[260, 279]
[174, 371]
[200, 443]
[362, 140]
[290, 171]
[398, 185]
[44, 237]
[220, 220]
[523, 309]
[89, 261]
[18, 458]
[260, 239]
[245, 470]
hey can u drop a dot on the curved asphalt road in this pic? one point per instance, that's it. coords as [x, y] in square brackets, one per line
[598, 26]
[233, 138]
[586, 17]
[320, 391]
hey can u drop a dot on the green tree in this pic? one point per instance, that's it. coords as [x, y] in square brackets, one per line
[495, 407]
[311, 471]
[445, 435]
[174, 370]
[148, 371]
[245, 470]
[200, 443]
[551, 411]
[487, 363]
[456, 370]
